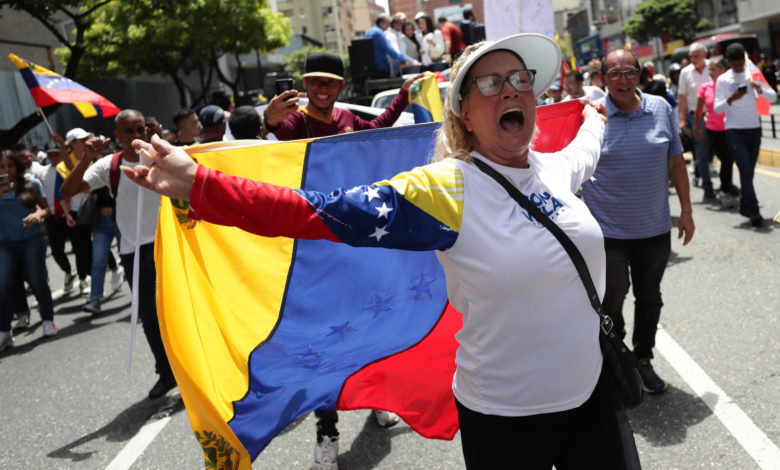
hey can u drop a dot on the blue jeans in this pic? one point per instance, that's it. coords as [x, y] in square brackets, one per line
[147, 304]
[745, 145]
[646, 260]
[103, 232]
[702, 153]
[29, 256]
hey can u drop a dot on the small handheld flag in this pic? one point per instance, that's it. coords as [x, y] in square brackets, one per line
[48, 88]
[762, 104]
[426, 99]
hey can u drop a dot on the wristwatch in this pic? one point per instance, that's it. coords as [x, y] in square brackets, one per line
[267, 126]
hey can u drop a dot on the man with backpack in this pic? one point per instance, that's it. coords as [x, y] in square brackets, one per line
[129, 125]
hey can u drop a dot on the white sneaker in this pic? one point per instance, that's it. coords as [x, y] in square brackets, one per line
[49, 329]
[84, 287]
[117, 278]
[6, 340]
[22, 321]
[326, 454]
[70, 283]
[386, 419]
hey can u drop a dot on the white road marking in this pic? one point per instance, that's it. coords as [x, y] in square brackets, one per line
[130, 453]
[753, 440]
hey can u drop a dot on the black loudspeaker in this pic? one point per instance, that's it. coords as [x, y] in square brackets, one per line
[477, 33]
[361, 59]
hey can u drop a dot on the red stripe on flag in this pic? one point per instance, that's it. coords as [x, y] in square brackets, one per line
[557, 125]
[416, 384]
[47, 97]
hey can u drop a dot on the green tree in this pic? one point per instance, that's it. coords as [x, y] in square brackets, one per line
[656, 18]
[48, 12]
[179, 37]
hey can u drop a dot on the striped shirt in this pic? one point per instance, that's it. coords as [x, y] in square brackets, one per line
[628, 194]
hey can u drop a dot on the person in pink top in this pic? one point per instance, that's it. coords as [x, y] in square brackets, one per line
[716, 133]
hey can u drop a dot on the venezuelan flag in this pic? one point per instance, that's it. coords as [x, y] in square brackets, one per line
[260, 331]
[48, 88]
[426, 99]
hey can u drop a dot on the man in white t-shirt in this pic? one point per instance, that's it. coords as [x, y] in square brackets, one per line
[692, 77]
[129, 125]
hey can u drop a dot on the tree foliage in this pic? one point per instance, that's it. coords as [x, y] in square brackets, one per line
[656, 18]
[179, 37]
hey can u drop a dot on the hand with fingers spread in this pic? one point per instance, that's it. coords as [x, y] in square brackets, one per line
[171, 173]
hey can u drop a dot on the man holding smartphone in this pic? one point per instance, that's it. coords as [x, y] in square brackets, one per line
[736, 93]
[324, 81]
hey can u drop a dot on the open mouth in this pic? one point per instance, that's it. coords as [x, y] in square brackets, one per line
[511, 120]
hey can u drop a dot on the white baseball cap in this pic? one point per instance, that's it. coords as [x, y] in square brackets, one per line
[75, 134]
[539, 52]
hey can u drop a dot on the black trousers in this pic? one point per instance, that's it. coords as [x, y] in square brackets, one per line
[720, 147]
[640, 262]
[595, 435]
[57, 232]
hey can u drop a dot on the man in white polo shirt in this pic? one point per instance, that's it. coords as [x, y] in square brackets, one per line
[692, 77]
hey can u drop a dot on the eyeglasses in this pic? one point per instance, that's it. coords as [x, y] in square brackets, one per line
[492, 84]
[630, 74]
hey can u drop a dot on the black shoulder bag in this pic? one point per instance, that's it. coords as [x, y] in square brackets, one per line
[616, 354]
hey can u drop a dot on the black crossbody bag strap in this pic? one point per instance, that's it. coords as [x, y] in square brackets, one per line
[568, 245]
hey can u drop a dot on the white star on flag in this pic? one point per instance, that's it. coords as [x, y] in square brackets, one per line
[352, 190]
[379, 233]
[372, 193]
[383, 211]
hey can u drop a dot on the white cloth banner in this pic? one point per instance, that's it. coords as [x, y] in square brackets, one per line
[537, 17]
[507, 17]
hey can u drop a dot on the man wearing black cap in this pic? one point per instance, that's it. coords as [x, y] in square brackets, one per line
[323, 81]
[212, 117]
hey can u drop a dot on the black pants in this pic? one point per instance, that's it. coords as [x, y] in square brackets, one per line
[640, 262]
[595, 435]
[57, 232]
[147, 304]
[82, 248]
[720, 147]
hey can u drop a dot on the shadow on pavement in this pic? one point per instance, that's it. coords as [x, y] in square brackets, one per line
[663, 420]
[123, 427]
[79, 325]
[371, 445]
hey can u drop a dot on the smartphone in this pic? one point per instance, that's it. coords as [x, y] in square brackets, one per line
[284, 84]
[742, 88]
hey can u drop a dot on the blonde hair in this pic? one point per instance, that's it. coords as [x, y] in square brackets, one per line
[452, 138]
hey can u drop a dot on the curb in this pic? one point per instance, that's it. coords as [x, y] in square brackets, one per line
[769, 157]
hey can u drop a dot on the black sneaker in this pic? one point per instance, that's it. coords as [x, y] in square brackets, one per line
[162, 386]
[756, 220]
[652, 383]
[709, 196]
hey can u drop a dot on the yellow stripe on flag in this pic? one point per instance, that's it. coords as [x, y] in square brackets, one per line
[23, 64]
[220, 293]
[86, 109]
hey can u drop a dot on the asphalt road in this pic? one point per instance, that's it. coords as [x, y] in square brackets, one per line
[66, 402]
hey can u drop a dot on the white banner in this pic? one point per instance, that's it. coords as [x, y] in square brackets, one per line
[506, 17]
